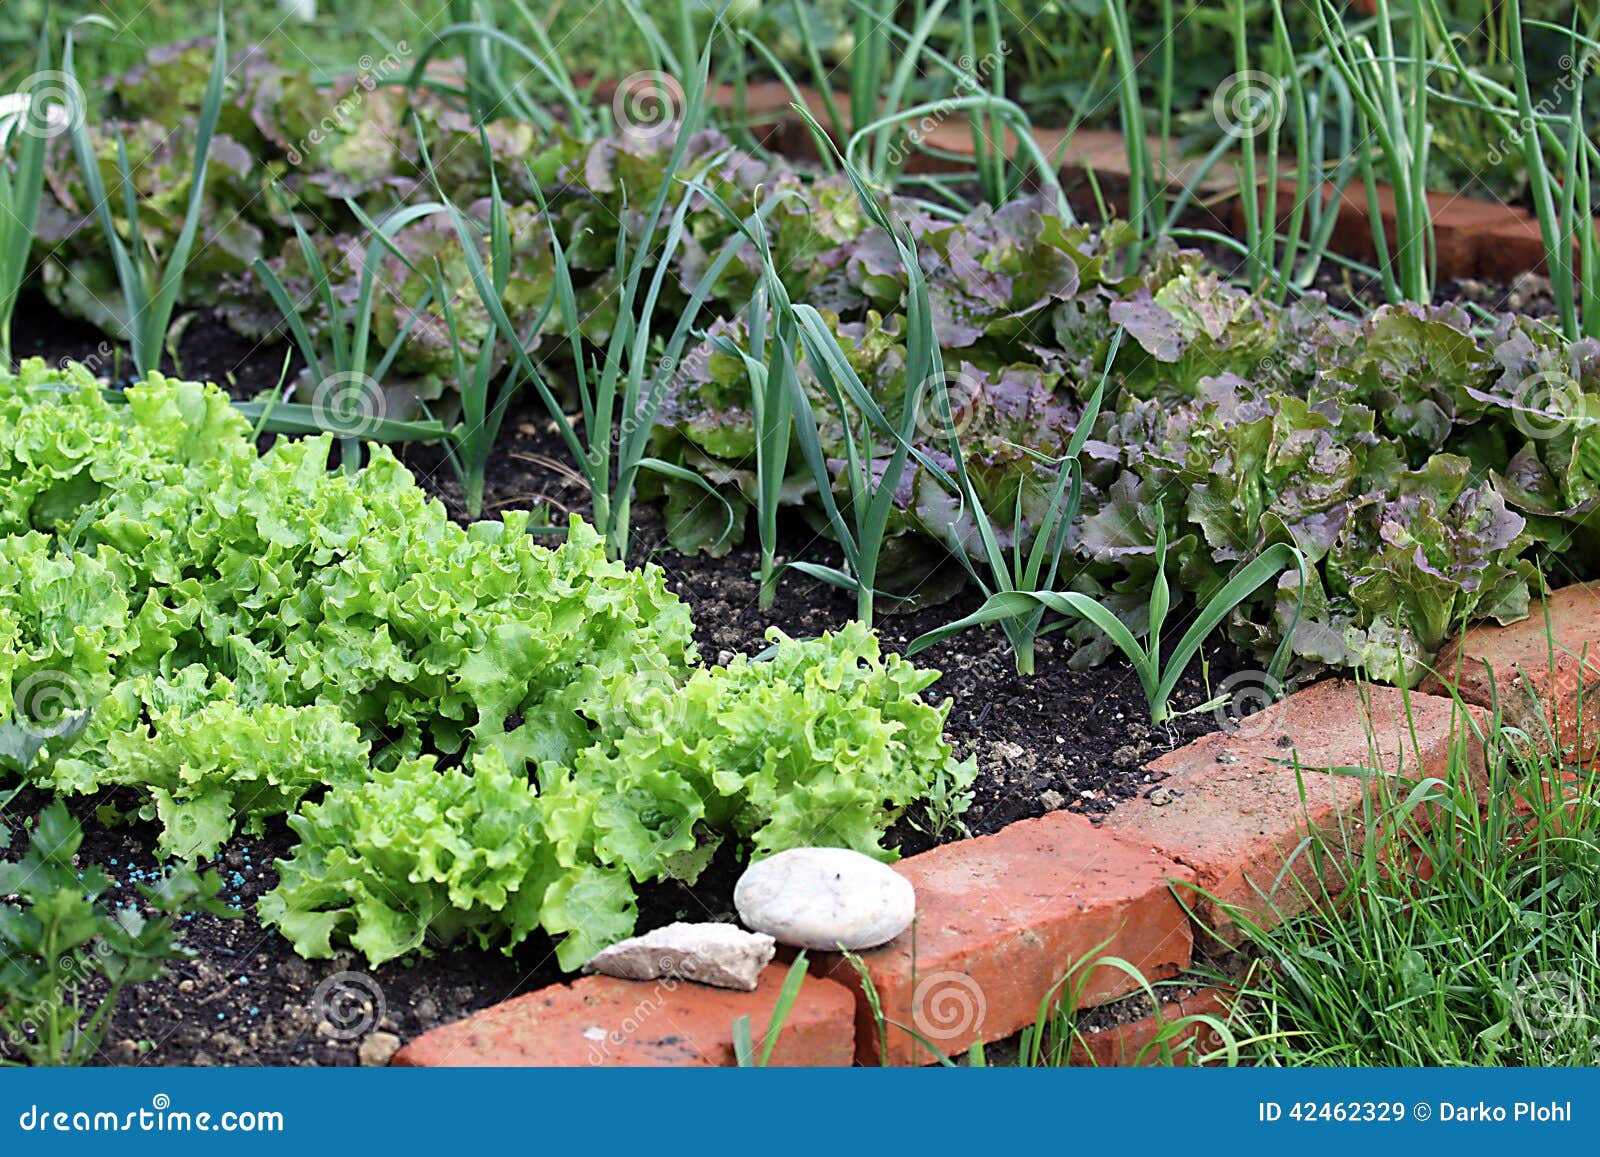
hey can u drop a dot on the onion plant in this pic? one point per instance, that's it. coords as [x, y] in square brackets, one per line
[875, 129]
[988, 109]
[988, 74]
[1303, 97]
[1261, 242]
[1155, 205]
[1158, 675]
[1558, 156]
[487, 48]
[21, 184]
[485, 390]
[870, 478]
[620, 396]
[1038, 567]
[151, 285]
[672, 52]
[867, 62]
[1145, 185]
[771, 363]
[830, 105]
[1391, 95]
[1017, 585]
[347, 376]
[888, 100]
[1290, 93]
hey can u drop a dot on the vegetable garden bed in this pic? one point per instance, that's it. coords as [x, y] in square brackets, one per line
[248, 998]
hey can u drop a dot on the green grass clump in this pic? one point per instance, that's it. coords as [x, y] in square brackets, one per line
[1493, 959]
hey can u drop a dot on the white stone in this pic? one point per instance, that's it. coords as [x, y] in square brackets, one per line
[825, 898]
[720, 955]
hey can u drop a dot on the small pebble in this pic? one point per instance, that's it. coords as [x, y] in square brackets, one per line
[377, 1049]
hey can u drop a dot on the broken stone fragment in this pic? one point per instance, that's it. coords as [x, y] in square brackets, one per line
[720, 955]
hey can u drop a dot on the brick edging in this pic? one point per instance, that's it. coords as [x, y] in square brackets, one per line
[1002, 918]
[602, 1022]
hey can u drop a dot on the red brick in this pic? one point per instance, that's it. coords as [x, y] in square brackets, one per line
[1460, 226]
[1134, 1043]
[599, 1021]
[1001, 919]
[1544, 671]
[1238, 810]
[765, 98]
[1510, 249]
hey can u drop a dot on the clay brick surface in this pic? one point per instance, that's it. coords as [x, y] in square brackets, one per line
[1463, 229]
[1460, 225]
[1235, 809]
[1510, 249]
[1133, 1043]
[1542, 690]
[1001, 919]
[600, 1021]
